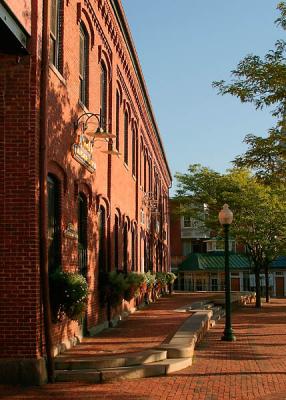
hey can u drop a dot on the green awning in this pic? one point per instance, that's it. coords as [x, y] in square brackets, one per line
[213, 261]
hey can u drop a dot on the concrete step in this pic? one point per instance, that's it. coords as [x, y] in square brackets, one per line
[91, 376]
[158, 368]
[179, 350]
[144, 357]
[133, 372]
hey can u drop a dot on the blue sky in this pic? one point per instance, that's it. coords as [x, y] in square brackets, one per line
[183, 46]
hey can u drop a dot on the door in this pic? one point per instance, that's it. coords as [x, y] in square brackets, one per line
[214, 284]
[235, 284]
[279, 286]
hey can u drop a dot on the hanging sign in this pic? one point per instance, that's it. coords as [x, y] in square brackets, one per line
[82, 152]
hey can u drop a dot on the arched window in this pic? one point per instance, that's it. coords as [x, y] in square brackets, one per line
[54, 223]
[116, 241]
[145, 171]
[101, 239]
[82, 234]
[150, 174]
[146, 255]
[103, 95]
[126, 138]
[56, 34]
[133, 152]
[134, 249]
[117, 115]
[125, 248]
[83, 66]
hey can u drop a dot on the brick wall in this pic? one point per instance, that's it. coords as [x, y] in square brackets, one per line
[112, 185]
[19, 281]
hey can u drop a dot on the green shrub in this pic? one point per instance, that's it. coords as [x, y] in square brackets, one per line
[161, 278]
[112, 286]
[68, 294]
[134, 282]
[171, 277]
[149, 279]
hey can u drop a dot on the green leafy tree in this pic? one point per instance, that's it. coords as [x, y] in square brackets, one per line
[259, 210]
[262, 82]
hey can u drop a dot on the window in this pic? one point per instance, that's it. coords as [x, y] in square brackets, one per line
[186, 222]
[117, 119]
[133, 152]
[101, 237]
[134, 250]
[140, 159]
[103, 96]
[116, 234]
[82, 234]
[83, 66]
[125, 248]
[146, 255]
[56, 23]
[150, 175]
[126, 138]
[54, 223]
[145, 172]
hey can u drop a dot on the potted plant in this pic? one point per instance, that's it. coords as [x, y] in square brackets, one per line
[112, 287]
[161, 282]
[68, 295]
[171, 277]
[133, 281]
[150, 282]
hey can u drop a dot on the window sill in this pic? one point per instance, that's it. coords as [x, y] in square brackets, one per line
[58, 74]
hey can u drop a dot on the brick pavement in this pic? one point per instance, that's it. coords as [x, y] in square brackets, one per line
[252, 368]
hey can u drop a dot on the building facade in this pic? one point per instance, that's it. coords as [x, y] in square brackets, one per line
[84, 176]
[197, 257]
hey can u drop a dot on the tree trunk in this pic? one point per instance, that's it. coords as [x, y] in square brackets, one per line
[267, 283]
[257, 288]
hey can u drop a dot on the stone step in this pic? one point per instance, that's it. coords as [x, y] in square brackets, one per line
[179, 350]
[86, 363]
[91, 376]
[159, 368]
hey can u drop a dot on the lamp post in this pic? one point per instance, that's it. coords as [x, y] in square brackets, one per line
[225, 218]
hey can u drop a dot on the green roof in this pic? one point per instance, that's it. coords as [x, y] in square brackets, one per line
[213, 261]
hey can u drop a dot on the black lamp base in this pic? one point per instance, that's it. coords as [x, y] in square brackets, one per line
[228, 336]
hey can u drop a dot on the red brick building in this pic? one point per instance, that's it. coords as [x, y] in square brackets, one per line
[70, 198]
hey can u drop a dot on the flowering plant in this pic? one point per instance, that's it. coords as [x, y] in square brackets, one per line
[68, 294]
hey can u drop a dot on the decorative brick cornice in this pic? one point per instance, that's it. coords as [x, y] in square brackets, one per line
[94, 18]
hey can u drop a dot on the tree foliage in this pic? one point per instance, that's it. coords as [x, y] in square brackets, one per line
[266, 157]
[259, 210]
[262, 82]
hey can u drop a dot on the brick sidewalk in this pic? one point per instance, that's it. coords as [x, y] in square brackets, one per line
[252, 368]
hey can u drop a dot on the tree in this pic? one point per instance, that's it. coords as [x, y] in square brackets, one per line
[262, 82]
[265, 157]
[259, 210]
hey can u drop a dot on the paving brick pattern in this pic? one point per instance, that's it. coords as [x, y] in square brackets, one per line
[252, 368]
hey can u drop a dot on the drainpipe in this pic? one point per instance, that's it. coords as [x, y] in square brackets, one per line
[44, 271]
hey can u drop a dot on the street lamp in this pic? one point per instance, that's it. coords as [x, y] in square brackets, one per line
[225, 218]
